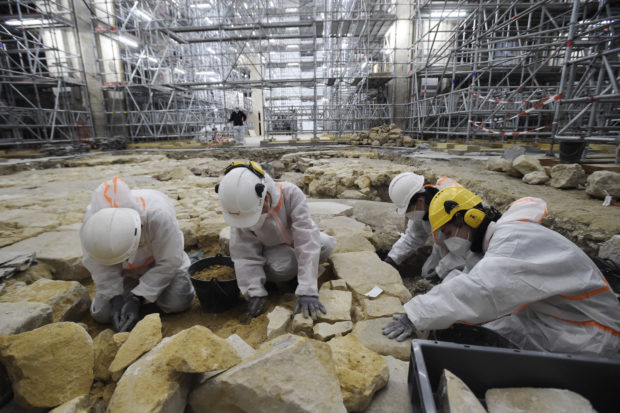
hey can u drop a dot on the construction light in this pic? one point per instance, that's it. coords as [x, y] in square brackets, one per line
[143, 15]
[291, 9]
[181, 71]
[152, 59]
[126, 40]
[292, 64]
[292, 46]
[448, 13]
[201, 6]
[210, 50]
[27, 22]
[245, 5]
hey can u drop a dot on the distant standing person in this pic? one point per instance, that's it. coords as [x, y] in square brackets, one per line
[238, 117]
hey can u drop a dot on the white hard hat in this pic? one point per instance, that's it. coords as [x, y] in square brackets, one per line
[403, 187]
[111, 235]
[242, 195]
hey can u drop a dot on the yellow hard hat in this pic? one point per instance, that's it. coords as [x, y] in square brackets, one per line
[451, 200]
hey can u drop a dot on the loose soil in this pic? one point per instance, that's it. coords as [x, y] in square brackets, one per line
[220, 272]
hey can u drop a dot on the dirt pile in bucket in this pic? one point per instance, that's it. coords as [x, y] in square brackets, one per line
[220, 272]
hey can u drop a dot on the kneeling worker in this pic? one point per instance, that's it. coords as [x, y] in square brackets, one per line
[533, 286]
[412, 198]
[133, 248]
[273, 237]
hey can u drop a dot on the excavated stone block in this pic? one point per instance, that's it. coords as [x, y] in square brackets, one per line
[603, 183]
[510, 170]
[567, 176]
[332, 209]
[513, 152]
[370, 333]
[62, 250]
[536, 400]
[105, 348]
[394, 397]
[453, 396]
[144, 336]
[243, 349]
[526, 164]
[382, 306]
[340, 285]
[361, 372]
[495, 164]
[337, 304]
[155, 382]
[352, 243]
[351, 194]
[536, 178]
[16, 318]
[344, 226]
[81, 404]
[611, 249]
[288, 374]
[279, 319]
[326, 331]
[69, 300]
[302, 326]
[364, 270]
[50, 365]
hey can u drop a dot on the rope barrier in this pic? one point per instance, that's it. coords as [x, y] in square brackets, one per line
[547, 99]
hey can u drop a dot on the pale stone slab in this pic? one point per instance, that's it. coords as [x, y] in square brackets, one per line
[243, 349]
[526, 164]
[495, 164]
[603, 183]
[344, 226]
[62, 250]
[144, 336]
[326, 331]
[279, 319]
[302, 326]
[536, 400]
[20, 317]
[361, 372]
[453, 396]
[105, 348]
[340, 285]
[50, 365]
[567, 176]
[536, 178]
[382, 306]
[394, 397]
[337, 304]
[81, 404]
[370, 333]
[154, 384]
[288, 374]
[69, 300]
[332, 209]
[352, 243]
[364, 270]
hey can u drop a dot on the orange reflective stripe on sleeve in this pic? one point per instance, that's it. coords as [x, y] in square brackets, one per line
[106, 186]
[143, 203]
[147, 262]
[526, 199]
[587, 294]
[520, 308]
[277, 208]
[591, 323]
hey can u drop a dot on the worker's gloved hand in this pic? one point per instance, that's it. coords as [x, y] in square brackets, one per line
[116, 308]
[130, 313]
[401, 328]
[391, 262]
[309, 305]
[256, 306]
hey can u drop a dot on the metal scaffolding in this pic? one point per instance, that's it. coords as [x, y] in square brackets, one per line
[498, 69]
[43, 97]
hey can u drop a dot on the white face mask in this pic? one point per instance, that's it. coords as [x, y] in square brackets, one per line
[259, 224]
[458, 246]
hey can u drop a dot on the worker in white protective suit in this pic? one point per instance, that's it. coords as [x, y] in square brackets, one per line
[273, 237]
[133, 248]
[412, 198]
[533, 286]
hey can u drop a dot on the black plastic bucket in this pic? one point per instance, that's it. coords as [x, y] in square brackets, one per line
[215, 296]
[571, 151]
[473, 335]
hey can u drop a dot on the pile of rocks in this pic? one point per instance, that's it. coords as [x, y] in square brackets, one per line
[49, 149]
[383, 135]
[598, 184]
[110, 144]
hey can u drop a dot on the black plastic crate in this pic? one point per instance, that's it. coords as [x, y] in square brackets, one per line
[483, 368]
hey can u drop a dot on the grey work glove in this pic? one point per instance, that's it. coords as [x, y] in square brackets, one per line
[391, 262]
[401, 328]
[309, 305]
[256, 306]
[130, 314]
[116, 304]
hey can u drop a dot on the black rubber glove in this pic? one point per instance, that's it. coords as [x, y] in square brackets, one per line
[116, 308]
[401, 328]
[130, 313]
[310, 306]
[256, 306]
[391, 262]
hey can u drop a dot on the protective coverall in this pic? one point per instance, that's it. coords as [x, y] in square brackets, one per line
[541, 290]
[415, 237]
[158, 270]
[288, 244]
